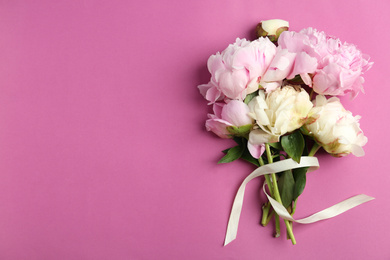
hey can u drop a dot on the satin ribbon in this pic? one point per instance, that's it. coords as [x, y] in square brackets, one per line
[281, 166]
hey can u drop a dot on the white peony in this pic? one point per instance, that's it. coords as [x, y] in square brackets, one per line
[335, 128]
[277, 113]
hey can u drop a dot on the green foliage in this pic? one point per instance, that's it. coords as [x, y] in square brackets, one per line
[277, 146]
[249, 97]
[239, 131]
[300, 181]
[286, 184]
[239, 151]
[291, 184]
[249, 158]
[293, 144]
[232, 154]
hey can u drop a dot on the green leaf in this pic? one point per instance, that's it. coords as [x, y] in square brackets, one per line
[233, 154]
[249, 158]
[299, 175]
[293, 145]
[277, 146]
[239, 140]
[286, 187]
[249, 97]
[226, 150]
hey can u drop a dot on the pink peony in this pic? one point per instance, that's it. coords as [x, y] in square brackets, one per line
[336, 67]
[238, 70]
[287, 65]
[292, 58]
[234, 113]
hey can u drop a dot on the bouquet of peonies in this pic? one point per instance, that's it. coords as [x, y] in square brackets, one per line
[276, 98]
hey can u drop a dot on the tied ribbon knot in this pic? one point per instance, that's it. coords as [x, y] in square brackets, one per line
[281, 166]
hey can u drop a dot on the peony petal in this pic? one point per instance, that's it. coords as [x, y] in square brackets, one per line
[258, 136]
[215, 65]
[204, 88]
[218, 127]
[217, 109]
[270, 86]
[280, 66]
[253, 86]
[236, 113]
[256, 150]
[306, 79]
[233, 83]
[303, 64]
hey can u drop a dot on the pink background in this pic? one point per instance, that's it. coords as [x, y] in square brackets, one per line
[103, 150]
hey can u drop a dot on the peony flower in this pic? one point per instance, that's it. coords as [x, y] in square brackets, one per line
[238, 70]
[229, 118]
[288, 64]
[292, 58]
[335, 128]
[336, 68]
[281, 111]
[271, 28]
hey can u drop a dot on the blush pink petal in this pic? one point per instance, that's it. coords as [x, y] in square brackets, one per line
[217, 109]
[280, 66]
[236, 112]
[303, 64]
[234, 83]
[210, 92]
[218, 126]
[256, 150]
[292, 41]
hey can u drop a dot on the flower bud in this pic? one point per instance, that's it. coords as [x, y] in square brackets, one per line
[271, 28]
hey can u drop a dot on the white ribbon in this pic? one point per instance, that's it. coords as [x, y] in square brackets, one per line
[281, 166]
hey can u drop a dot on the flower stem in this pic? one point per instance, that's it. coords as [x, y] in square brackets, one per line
[277, 195]
[277, 225]
[294, 207]
[267, 178]
[314, 149]
[265, 212]
[290, 209]
[269, 217]
[266, 207]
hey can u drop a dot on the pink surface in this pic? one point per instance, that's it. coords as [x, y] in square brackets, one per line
[103, 151]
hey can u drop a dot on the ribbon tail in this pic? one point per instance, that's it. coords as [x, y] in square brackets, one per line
[327, 213]
[336, 209]
[234, 218]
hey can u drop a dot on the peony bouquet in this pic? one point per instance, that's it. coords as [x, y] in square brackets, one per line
[276, 97]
